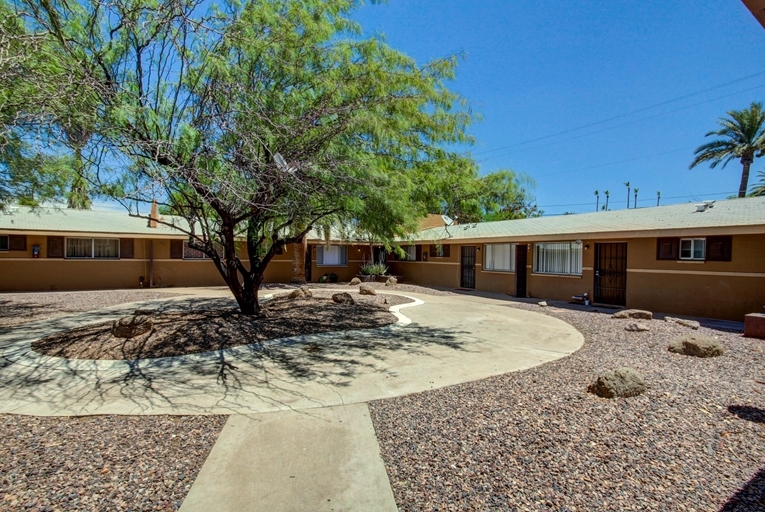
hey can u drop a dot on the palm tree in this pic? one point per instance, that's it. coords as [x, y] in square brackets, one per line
[634, 204]
[597, 200]
[658, 197]
[743, 137]
[627, 183]
[607, 193]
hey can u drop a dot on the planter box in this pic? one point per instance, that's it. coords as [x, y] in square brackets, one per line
[366, 279]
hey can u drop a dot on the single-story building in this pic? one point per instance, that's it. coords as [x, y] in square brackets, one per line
[702, 260]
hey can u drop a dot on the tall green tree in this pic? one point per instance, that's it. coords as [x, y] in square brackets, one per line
[251, 118]
[742, 137]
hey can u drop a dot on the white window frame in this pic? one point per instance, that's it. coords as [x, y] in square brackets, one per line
[92, 249]
[7, 243]
[411, 252]
[489, 253]
[343, 250]
[192, 256]
[694, 242]
[570, 264]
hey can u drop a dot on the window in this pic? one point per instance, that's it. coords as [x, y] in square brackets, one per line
[3, 242]
[440, 251]
[189, 253]
[692, 248]
[334, 255]
[97, 248]
[411, 252]
[558, 258]
[499, 257]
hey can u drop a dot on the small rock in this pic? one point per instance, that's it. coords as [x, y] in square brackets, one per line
[635, 327]
[301, 292]
[392, 281]
[355, 281]
[696, 345]
[343, 298]
[542, 303]
[693, 324]
[365, 289]
[633, 313]
[622, 382]
[132, 326]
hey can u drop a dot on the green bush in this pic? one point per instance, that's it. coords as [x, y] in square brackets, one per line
[373, 269]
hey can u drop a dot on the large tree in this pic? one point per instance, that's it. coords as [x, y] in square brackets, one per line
[742, 137]
[254, 120]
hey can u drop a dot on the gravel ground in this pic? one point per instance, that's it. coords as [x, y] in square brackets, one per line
[215, 325]
[537, 440]
[20, 308]
[102, 462]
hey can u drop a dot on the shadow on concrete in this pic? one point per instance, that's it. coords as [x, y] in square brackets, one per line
[275, 372]
[747, 412]
[749, 498]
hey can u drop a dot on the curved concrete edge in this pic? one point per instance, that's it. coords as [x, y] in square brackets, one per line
[21, 353]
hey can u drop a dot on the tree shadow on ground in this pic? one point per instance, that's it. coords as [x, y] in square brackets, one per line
[747, 412]
[749, 498]
[275, 372]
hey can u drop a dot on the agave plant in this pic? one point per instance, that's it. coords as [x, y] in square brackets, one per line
[373, 269]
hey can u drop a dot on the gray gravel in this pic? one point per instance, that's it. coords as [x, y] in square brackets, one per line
[401, 287]
[537, 440]
[20, 308]
[102, 462]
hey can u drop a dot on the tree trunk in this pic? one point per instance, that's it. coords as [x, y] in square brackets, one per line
[298, 261]
[746, 161]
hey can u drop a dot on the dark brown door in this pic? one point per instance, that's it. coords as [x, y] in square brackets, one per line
[611, 273]
[521, 253]
[468, 266]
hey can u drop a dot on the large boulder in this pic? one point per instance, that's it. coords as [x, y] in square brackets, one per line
[355, 281]
[392, 281]
[622, 382]
[633, 313]
[696, 345]
[343, 298]
[693, 324]
[132, 326]
[365, 289]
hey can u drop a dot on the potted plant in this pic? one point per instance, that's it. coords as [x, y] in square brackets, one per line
[370, 271]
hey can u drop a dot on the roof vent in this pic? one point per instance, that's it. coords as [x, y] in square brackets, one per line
[709, 204]
[701, 208]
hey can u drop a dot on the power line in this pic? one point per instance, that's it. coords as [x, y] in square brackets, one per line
[621, 116]
[615, 163]
[628, 123]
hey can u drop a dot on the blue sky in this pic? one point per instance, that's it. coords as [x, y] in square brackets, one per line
[536, 69]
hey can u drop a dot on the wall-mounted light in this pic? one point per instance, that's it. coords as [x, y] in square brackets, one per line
[586, 247]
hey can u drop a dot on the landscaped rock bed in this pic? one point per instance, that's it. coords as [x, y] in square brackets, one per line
[220, 326]
[102, 462]
[20, 308]
[538, 440]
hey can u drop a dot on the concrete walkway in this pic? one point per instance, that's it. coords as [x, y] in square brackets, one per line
[299, 436]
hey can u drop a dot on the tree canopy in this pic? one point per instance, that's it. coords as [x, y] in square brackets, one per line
[249, 119]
